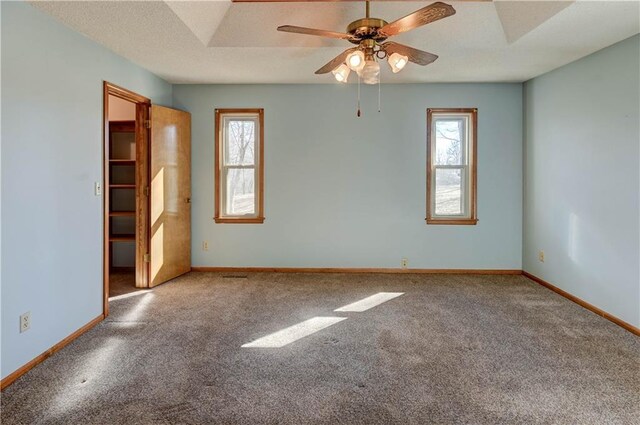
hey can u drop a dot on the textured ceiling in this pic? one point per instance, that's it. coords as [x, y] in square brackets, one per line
[520, 17]
[223, 42]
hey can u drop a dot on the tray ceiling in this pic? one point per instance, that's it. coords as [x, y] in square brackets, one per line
[225, 42]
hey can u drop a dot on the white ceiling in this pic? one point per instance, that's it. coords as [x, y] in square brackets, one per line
[223, 42]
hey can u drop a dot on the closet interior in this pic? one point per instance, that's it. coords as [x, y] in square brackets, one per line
[122, 196]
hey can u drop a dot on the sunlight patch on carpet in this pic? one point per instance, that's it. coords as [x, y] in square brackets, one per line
[369, 302]
[293, 333]
[135, 314]
[129, 295]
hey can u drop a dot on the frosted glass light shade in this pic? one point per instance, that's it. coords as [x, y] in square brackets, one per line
[371, 72]
[355, 60]
[341, 73]
[397, 62]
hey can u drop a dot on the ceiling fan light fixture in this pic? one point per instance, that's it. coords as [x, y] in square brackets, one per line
[355, 60]
[371, 72]
[341, 73]
[397, 62]
[370, 35]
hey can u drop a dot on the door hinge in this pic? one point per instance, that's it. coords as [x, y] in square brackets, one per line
[147, 123]
[147, 258]
[146, 191]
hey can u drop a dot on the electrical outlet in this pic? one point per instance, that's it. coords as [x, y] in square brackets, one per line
[25, 321]
[404, 263]
[541, 256]
[205, 246]
[98, 188]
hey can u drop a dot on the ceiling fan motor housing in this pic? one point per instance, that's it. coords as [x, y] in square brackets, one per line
[366, 29]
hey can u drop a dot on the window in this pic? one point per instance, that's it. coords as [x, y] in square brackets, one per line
[239, 167]
[451, 161]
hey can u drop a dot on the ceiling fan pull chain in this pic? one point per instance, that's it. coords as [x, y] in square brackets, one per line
[358, 95]
[379, 107]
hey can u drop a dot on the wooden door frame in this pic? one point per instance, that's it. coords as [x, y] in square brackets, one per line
[142, 181]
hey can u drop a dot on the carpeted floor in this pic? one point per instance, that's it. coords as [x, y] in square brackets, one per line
[122, 283]
[451, 350]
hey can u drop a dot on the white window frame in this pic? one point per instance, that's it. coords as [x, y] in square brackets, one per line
[468, 166]
[223, 117]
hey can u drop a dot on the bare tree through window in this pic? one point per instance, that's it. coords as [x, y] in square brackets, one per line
[449, 151]
[241, 181]
[451, 174]
[239, 165]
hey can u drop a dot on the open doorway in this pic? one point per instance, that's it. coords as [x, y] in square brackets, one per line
[147, 193]
[126, 203]
[122, 185]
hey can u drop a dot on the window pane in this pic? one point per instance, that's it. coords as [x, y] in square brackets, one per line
[449, 135]
[449, 192]
[240, 142]
[240, 191]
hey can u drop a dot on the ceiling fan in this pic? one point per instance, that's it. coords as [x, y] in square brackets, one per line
[369, 34]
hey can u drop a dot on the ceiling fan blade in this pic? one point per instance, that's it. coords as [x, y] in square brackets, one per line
[335, 62]
[311, 31]
[420, 17]
[414, 55]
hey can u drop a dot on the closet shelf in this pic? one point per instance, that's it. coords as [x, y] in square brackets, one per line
[122, 238]
[122, 186]
[122, 214]
[122, 161]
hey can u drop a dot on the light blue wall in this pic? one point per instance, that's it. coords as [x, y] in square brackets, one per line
[51, 157]
[342, 191]
[582, 185]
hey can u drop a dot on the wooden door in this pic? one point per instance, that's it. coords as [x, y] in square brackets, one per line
[170, 197]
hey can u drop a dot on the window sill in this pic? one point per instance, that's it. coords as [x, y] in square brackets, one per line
[239, 220]
[453, 221]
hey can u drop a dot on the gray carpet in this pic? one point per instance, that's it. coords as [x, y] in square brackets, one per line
[122, 283]
[451, 350]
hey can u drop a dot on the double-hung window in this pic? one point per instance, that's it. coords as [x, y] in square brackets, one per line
[451, 162]
[239, 166]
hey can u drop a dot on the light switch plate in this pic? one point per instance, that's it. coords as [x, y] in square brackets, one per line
[98, 189]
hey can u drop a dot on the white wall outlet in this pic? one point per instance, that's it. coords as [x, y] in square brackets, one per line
[25, 321]
[404, 263]
[205, 246]
[98, 188]
[541, 256]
